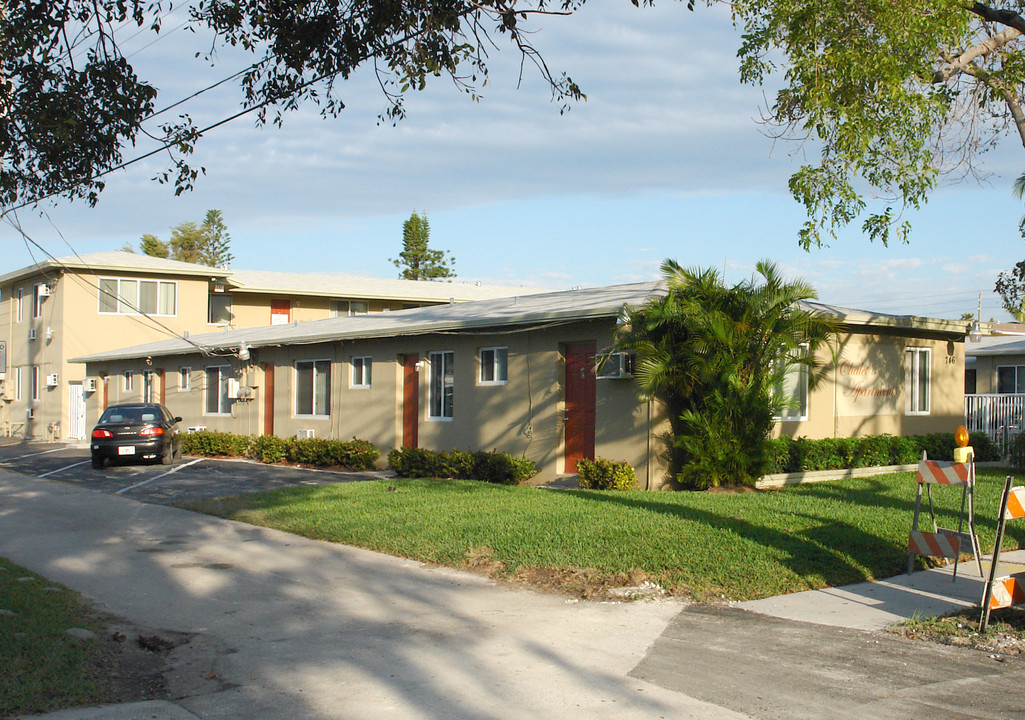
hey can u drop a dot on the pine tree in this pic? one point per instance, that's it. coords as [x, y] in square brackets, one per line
[417, 260]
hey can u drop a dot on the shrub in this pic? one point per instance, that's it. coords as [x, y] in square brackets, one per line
[353, 454]
[211, 443]
[1016, 453]
[496, 467]
[602, 474]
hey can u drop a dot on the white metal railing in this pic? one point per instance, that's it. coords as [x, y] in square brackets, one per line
[1001, 416]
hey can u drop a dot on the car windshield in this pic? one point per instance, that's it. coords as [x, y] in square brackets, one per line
[130, 415]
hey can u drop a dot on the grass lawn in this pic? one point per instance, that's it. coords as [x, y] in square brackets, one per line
[736, 546]
[42, 668]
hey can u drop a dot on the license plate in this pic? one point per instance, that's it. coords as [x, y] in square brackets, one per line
[126, 450]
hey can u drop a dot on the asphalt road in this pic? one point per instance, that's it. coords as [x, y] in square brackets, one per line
[191, 477]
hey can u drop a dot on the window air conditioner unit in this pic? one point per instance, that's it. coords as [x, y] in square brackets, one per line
[232, 389]
[52, 380]
[30, 413]
[31, 333]
[44, 291]
[195, 428]
[304, 434]
[89, 385]
[618, 365]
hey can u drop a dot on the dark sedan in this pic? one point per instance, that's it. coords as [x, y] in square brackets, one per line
[136, 431]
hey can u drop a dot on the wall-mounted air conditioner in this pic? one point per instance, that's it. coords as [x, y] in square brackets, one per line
[52, 380]
[232, 389]
[617, 366]
[31, 333]
[44, 291]
[30, 413]
[304, 433]
[89, 385]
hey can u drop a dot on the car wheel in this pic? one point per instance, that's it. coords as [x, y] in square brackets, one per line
[97, 462]
[178, 453]
[168, 457]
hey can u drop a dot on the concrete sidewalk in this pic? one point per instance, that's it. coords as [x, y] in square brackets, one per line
[284, 627]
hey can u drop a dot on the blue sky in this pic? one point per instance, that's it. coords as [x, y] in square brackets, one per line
[665, 159]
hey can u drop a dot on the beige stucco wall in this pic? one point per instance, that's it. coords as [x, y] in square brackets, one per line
[862, 393]
[253, 309]
[986, 370]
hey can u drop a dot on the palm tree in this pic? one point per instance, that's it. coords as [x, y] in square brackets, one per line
[717, 358]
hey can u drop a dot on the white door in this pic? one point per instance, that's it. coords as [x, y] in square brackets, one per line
[76, 411]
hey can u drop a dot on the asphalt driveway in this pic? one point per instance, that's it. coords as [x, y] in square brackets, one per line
[191, 477]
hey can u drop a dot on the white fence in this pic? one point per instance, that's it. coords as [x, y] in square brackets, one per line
[999, 416]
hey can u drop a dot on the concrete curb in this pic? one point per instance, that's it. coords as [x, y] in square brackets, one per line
[148, 710]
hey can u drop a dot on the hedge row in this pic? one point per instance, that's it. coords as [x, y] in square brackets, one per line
[602, 474]
[801, 455]
[490, 466]
[319, 452]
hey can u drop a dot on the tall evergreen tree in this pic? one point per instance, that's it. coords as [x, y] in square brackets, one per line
[206, 244]
[418, 261]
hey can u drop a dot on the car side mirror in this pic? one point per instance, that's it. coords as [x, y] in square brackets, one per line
[177, 420]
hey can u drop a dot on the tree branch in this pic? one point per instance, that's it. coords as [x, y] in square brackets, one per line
[1002, 17]
[984, 48]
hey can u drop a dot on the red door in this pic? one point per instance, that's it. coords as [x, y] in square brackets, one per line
[410, 400]
[268, 398]
[578, 429]
[280, 312]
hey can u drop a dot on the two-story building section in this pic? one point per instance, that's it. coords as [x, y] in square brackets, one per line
[73, 306]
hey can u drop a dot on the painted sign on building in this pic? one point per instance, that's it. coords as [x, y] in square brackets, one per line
[868, 380]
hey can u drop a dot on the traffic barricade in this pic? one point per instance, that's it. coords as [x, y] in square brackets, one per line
[1008, 590]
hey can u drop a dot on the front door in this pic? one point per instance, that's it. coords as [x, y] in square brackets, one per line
[76, 411]
[578, 428]
[280, 312]
[410, 401]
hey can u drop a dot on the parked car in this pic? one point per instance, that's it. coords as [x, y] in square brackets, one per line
[136, 431]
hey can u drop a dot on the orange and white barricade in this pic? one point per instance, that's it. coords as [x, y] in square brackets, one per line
[1010, 589]
[942, 542]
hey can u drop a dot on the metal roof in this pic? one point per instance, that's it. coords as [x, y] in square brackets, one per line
[115, 261]
[356, 286]
[530, 310]
[996, 345]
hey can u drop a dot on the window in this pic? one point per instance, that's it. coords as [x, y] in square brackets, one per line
[917, 380]
[121, 296]
[441, 385]
[494, 366]
[970, 381]
[794, 391]
[217, 400]
[17, 384]
[35, 382]
[129, 381]
[219, 309]
[37, 300]
[1010, 379]
[147, 386]
[360, 372]
[344, 308]
[185, 378]
[313, 387]
[21, 304]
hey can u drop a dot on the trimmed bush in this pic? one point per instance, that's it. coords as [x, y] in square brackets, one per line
[602, 474]
[318, 452]
[490, 466]
[803, 454]
[1016, 453]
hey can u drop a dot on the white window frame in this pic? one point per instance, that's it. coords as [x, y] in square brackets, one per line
[21, 304]
[343, 308]
[494, 365]
[131, 305]
[441, 378]
[364, 364]
[803, 411]
[18, 382]
[315, 374]
[35, 383]
[913, 404]
[224, 374]
[209, 309]
[185, 379]
[129, 381]
[37, 301]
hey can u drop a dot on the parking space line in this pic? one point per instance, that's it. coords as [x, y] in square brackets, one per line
[157, 477]
[22, 457]
[66, 467]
